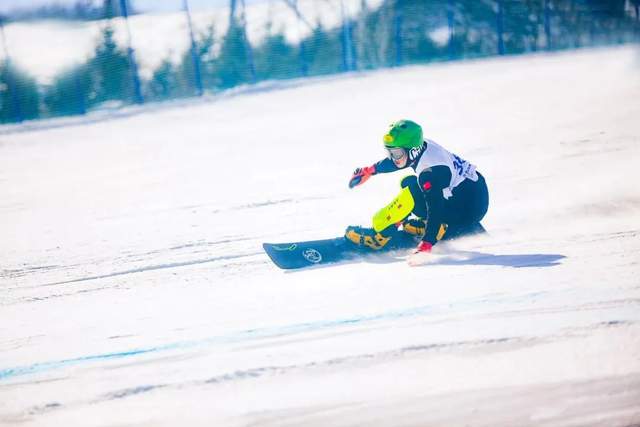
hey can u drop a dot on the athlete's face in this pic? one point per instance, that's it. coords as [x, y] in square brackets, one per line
[399, 156]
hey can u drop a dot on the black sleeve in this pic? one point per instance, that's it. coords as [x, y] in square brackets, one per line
[432, 181]
[386, 165]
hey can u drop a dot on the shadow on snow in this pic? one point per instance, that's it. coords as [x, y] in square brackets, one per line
[454, 258]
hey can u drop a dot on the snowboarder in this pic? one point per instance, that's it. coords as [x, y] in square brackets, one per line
[447, 197]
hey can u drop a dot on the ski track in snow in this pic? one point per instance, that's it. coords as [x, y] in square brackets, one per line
[486, 302]
[133, 288]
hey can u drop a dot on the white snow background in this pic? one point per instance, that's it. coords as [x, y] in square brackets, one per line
[134, 290]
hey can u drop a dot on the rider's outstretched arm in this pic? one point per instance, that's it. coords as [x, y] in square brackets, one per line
[361, 175]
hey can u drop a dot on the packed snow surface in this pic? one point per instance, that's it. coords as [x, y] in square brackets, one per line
[134, 290]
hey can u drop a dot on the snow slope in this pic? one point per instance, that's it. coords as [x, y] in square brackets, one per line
[134, 291]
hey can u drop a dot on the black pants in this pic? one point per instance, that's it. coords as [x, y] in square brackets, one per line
[463, 211]
[469, 202]
[466, 207]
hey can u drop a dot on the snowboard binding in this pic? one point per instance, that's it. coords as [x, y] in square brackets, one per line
[414, 226]
[368, 237]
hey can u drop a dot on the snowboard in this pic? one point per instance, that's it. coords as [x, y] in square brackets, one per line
[296, 255]
[289, 256]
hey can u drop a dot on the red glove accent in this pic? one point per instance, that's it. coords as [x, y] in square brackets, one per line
[423, 247]
[360, 175]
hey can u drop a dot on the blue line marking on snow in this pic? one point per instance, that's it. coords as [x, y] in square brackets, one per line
[263, 333]
[45, 366]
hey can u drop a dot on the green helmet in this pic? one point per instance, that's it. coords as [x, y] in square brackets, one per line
[403, 134]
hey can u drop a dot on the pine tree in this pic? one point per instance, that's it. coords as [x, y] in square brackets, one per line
[70, 92]
[276, 59]
[110, 70]
[19, 96]
[233, 65]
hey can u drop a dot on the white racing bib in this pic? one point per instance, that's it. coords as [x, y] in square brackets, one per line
[435, 155]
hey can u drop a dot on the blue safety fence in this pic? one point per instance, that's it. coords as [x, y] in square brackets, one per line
[364, 35]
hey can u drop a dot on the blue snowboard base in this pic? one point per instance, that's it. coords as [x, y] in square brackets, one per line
[290, 256]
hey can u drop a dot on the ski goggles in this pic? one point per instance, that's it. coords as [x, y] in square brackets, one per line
[396, 153]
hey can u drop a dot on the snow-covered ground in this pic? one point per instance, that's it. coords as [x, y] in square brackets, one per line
[134, 291]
